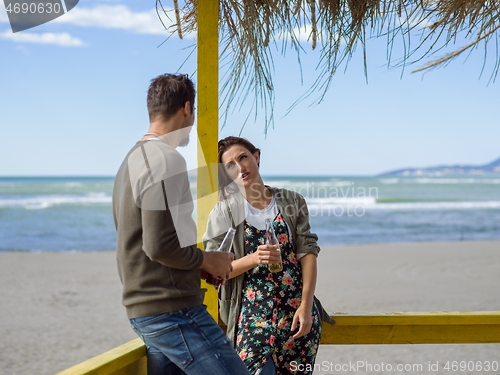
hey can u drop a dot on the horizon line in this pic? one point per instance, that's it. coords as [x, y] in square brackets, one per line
[113, 176]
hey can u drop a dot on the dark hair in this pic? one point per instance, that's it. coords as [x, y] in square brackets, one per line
[224, 145]
[168, 93]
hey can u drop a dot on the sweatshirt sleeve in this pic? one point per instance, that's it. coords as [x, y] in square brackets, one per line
[160, 187]
[306, 241]
[160, 240]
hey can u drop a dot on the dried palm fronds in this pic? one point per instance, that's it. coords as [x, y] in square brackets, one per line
[249, 28]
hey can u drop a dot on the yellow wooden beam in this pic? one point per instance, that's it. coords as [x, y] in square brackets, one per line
[127, 359]
[419, 318]
[441, 327]
[208, 126]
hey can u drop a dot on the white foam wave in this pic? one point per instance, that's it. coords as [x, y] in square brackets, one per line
[437, 205]
[455, 181]
[292, 185]
[343, 183]
[45, 201]
[342, 201]
[389, 180]
[278, 182]
[370, 203]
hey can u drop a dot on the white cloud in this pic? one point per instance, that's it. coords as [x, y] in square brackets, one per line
[303, 34]
[3, 15]
[60, 39]
[413, 22]
[117, 17]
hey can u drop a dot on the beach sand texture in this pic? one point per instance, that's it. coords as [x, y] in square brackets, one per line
[59, 309]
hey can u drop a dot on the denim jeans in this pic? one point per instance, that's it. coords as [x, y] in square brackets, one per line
[187, 341]
[268, 368]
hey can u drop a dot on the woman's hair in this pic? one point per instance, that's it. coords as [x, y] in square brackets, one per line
[225, 185]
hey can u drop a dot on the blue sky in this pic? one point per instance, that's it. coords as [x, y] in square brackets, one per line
[73, 94]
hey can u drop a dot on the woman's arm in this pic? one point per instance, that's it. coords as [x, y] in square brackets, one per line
[303, 314]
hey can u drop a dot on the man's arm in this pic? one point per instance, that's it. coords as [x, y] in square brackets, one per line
[160, 241]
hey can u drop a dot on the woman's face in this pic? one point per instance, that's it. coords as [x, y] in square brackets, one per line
[241, 165]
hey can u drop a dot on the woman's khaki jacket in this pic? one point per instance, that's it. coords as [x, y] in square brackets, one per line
[294, 210]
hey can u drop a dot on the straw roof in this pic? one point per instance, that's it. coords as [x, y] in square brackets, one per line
[248, 29]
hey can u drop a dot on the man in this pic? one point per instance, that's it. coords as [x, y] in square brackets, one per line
[158, 261]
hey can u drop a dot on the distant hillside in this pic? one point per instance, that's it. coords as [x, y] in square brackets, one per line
[444, 170]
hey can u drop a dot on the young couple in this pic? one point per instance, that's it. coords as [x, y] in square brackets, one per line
[273, 319]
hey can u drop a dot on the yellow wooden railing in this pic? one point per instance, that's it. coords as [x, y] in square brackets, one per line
[443, 327]
[351, 329]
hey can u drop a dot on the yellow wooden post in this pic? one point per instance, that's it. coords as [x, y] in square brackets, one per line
[208, 127]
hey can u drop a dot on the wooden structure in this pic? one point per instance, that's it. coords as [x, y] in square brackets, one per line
[351, 329]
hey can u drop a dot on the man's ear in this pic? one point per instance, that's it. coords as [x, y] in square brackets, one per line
[187, 109]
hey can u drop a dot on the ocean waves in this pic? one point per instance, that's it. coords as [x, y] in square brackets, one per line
[440, 181]
[371, 203]
[40, 202]
[68, 214]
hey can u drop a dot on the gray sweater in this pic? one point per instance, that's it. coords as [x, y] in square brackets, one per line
[158, 274]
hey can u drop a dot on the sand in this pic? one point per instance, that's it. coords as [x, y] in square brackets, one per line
[59, 309]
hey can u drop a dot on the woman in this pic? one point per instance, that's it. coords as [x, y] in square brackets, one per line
[273, 319]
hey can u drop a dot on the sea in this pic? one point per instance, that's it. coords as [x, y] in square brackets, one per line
[72, 214]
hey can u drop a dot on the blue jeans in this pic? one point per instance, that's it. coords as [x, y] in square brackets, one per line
[187, 341]
[268, 368]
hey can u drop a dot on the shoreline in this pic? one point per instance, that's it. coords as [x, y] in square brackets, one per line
[371, 244]
[64, 308]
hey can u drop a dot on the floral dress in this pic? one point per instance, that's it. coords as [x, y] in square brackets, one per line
[268, 306]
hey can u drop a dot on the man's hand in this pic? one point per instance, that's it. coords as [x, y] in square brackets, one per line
[218, 263]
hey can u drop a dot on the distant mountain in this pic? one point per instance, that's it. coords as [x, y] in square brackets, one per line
[444, 170]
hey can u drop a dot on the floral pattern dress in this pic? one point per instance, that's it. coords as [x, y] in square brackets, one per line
[268, 306]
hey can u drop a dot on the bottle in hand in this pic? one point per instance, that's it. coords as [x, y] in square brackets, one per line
[272, 240]
[225, 246]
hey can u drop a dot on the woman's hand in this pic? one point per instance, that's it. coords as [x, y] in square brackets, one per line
[302, 317]
[266, 254]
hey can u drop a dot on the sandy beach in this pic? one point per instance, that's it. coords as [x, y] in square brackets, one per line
[59, 309]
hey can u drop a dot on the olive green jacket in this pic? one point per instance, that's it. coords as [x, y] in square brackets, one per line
[293, 208]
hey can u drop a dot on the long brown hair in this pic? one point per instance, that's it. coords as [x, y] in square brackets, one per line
[224, 145]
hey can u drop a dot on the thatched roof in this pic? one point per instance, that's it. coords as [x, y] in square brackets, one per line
[249, 28]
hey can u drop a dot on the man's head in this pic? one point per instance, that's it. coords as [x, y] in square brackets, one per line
[167, 94]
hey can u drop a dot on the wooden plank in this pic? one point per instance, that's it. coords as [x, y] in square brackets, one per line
[439, 327]
[208, 127]
[417, 334]
[129, 358]
[417, 318]
[138, 367]
[443, 327]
